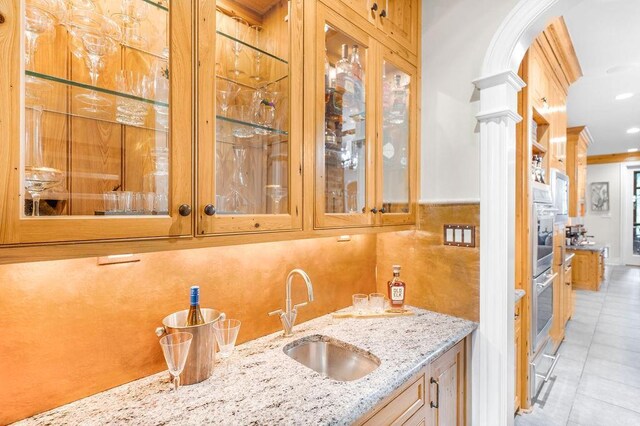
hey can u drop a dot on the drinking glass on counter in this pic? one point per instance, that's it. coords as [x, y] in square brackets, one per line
[110, 201]
[376, 303]
[175, 347]
[360, 303]
[226, 332]
[124, 201]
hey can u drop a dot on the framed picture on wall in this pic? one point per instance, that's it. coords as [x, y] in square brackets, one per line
[600, 196]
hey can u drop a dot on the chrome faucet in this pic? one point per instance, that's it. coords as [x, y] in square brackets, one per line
[288, 317]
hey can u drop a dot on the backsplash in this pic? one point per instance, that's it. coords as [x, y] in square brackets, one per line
[73, 328]
[440, 278]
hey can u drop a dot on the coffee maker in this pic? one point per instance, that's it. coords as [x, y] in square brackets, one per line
[575, 234]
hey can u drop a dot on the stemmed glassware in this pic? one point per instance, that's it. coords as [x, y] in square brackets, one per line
[175, 347]
[94, 38]
[131, 111]
[235, 200]
[226, 92]
[239, 29]
[226, 332]
[160, 76]
[133, 12]
[255, 40]
[276, 193]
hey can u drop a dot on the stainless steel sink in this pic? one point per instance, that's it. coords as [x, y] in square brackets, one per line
[332, 358]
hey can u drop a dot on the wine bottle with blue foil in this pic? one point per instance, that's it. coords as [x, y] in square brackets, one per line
[194, 317]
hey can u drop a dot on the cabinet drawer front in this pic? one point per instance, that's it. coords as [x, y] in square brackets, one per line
[402, 407]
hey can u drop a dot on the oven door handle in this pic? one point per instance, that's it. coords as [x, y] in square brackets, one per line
[547, 283]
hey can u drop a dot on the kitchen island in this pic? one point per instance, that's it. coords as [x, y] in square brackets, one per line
[265, 386]
[587, 265]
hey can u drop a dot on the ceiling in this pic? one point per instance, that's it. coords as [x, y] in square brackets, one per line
[606, 37]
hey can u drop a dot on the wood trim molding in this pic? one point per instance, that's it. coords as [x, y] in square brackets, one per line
[559, 39]
[613, 158]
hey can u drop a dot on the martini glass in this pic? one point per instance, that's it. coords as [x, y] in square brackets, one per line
[226, 332]
[94, 37]
[175, 348]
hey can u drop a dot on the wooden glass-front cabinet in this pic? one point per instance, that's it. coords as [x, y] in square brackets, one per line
[250, 120]
[365, 129]
[132, 119]
[99, 120]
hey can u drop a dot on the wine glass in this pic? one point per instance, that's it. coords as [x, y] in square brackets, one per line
[226, 332]
[226, 92]
[175, 347]
[160, 76]
[255, 40]
[239, 28]
[276, 193]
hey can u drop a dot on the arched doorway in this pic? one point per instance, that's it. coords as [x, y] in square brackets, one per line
[493, 359]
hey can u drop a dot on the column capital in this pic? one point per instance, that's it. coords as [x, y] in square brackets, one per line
[507, 77]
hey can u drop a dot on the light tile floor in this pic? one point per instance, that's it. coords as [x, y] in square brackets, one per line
[597, 379]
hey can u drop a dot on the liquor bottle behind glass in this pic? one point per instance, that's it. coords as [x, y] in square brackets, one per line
[194, 317]
[344, 77]
[397, 289]
[358, 79]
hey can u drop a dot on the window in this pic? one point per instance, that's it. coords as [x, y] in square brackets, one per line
[636, 213]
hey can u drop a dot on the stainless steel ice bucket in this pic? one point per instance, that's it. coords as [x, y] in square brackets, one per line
[201, 358]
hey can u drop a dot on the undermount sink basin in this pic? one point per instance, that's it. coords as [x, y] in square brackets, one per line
[332, 358]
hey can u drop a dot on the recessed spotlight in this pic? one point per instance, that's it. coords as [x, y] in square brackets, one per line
[620, 68]
[623, 96]
[632, 150]
[633, 131]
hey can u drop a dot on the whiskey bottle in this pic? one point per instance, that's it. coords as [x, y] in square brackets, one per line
[397, 289]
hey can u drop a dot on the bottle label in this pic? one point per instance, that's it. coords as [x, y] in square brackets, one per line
[397, 294]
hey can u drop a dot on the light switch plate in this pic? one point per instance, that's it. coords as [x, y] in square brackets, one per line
[460, 235]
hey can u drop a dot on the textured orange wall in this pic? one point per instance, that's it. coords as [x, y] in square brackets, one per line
[72, 328]
[439, 278]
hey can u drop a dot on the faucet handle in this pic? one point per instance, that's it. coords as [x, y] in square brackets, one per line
[279, 312]
[300, 305]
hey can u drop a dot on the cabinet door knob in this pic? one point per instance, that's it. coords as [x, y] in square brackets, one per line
[1, 18]
[383, 13]
[184, 210]
[374, 210]
[374, 7]
[383, 210]
[209, 210]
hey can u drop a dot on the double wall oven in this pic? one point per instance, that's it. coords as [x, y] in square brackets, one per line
[543, 218]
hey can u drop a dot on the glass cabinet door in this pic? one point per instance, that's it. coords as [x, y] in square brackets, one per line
[250, 132]
[98, 157]
[345, 123]
[397, 134]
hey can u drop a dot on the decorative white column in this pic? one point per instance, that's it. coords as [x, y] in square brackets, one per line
[493, 348]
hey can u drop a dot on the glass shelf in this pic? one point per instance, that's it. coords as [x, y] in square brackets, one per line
[50, 101]
[257, 50]
[233, 131]
[252, 67]
[93, 88]
[160, 4]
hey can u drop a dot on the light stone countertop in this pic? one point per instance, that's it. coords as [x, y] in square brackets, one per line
[265, 386]
[587, 247]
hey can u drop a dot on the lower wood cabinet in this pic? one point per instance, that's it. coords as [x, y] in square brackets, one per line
[567, 292]
[588, 269]
[435, 396]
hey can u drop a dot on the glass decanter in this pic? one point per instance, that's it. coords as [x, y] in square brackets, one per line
[37, 177]
[236, 199]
